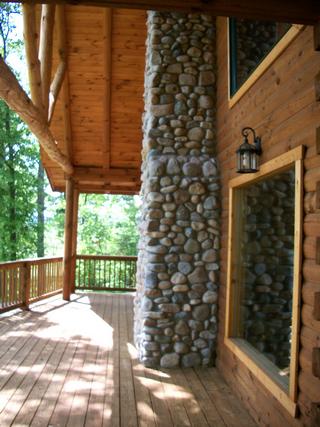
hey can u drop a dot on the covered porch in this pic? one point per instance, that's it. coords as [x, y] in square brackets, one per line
[56, 370]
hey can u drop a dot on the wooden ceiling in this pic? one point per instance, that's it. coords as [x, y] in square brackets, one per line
[98, 116]
[100, 52]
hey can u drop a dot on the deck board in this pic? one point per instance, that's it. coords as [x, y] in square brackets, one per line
[74, 364]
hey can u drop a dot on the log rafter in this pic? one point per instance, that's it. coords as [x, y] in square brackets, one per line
[39, 59]
[45, 51]
[16, 98]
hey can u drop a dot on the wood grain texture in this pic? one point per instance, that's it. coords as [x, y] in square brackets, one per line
[285, 115]
[306, 12]
[86, 372]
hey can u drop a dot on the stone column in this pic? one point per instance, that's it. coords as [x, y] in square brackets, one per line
[176, 302]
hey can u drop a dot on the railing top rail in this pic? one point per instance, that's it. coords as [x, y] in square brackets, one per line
[107, 257]
[33, 261]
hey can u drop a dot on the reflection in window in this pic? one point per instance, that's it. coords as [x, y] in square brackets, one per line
[264, 273]
[250, 42]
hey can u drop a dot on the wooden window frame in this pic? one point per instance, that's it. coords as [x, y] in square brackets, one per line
[284, 390]
[282, 44]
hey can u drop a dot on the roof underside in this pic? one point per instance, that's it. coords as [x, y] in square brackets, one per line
[97, 119]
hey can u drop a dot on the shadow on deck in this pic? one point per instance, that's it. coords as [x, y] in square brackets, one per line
[74, 364]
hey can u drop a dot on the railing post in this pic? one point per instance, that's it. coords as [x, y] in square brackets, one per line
[68, 227]
[26, 271]
[74, 240]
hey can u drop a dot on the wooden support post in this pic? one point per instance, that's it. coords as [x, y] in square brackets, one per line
[26, 285]
[68, 227]
[74, 240]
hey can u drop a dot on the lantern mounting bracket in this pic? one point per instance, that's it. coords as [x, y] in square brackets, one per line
[256, 139]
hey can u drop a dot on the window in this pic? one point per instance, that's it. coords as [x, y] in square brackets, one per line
[263, 273]
[253, 46]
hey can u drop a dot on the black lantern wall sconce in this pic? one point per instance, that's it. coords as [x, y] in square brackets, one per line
[248, 154]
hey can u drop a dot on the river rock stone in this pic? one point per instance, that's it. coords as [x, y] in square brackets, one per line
[170, 360]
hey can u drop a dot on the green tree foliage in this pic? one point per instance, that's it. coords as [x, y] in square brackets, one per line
[107, 225]
[18, 163]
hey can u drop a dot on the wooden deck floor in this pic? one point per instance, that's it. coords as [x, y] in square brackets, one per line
[74, 364]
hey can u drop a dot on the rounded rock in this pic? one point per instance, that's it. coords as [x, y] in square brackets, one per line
[170, 360]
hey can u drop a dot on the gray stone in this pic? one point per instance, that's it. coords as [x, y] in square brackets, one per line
[205, 101]
[191, 360]
[200, 343]
[210, 297]
[197, 188]
[169, 308]
[182, 213]
[209, 255]
[161, 109]
[194, 51]
[265, 279]
[192, 169]
[181, 328]
[209, 169]
[206, 78]
[146, 304]
[180, 288]
[201, 312]
[210, 203]
[173, 167]
[184, 267]
[178, 278]
[181, 196]
[187, 80]
[174, 68]
[155, 197]
[170, 360]
[199, 275]
[181, 348]
[196, 134]
[180, 108]
[191, 246]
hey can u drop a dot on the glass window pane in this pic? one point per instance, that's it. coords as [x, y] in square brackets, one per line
[264, 266]
[250, 43]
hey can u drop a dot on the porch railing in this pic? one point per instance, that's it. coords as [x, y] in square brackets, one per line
[114, 273]
[25, 281]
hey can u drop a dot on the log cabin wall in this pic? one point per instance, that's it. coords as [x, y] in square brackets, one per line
[282, 107]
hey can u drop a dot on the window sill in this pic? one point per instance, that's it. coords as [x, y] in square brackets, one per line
[265, 371]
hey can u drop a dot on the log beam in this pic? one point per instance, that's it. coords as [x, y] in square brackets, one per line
[16, 99]
[100, 175]
[30, 36]
[68, 239]
[299, 12]
[62, 67]
[45, 51]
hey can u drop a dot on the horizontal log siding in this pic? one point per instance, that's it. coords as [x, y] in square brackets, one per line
[281, 106]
